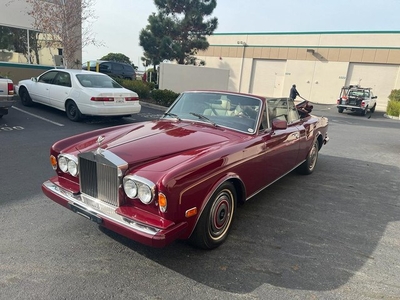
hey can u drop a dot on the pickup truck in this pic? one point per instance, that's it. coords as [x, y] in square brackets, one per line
[357, 99]
[6, 95]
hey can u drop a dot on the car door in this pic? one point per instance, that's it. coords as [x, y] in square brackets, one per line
[283, 142]
[39, 89]
[273, 150]
[117, 70]
[60, 89]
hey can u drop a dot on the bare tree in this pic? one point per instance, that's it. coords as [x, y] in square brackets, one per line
[65, 24]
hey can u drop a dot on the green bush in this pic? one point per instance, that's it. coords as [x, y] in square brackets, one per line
[394, 95]
[163, 97]
[393, 108]
[138, 86]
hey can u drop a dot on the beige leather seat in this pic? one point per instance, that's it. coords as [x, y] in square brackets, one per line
[222, 109]
[280, 113]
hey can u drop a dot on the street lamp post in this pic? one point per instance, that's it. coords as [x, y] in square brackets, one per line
[241, 66]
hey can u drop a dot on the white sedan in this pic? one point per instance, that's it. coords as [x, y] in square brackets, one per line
[79, 93]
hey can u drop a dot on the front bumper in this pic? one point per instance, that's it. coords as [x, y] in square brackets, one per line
[106, 216]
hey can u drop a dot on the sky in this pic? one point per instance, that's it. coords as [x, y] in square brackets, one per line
[119, 22]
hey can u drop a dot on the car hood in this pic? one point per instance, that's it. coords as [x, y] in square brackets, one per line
[158, 140]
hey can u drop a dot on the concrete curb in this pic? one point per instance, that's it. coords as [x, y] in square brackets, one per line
[391, 117]
[151, 105]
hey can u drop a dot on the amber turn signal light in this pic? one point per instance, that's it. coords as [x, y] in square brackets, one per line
[191, 212]
[162, 202]
[53, 162]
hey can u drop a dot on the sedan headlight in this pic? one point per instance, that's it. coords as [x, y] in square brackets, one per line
[68, 164]
[139, 187]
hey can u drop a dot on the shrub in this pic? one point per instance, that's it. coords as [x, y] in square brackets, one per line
[138, 86]
[394, 95]
[164, 97]
[393, 108]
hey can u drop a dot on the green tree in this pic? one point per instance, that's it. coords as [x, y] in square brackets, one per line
[178, 30]
[116, 57]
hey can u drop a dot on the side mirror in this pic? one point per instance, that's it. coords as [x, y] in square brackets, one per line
[34, 79]
[374, 97]
[279, 124]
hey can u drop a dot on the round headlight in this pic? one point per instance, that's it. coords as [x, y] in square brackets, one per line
[72, 168]
[130, 188]
[62, 163]
[144, 194]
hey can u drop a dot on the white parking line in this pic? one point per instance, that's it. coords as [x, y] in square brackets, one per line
[36, 116]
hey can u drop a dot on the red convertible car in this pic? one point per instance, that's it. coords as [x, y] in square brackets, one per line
[183, 175]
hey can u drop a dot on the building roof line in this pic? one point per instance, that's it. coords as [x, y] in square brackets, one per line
[309, 32]
[305, 46]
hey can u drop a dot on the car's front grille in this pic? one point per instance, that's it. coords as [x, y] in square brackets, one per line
[99, 176]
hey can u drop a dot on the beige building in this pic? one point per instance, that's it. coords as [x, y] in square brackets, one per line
[319, 63]
[23, 51]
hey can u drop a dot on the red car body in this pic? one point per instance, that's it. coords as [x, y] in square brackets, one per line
[181, 177]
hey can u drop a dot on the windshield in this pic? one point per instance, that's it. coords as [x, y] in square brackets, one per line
[97, 81]
[232, 111]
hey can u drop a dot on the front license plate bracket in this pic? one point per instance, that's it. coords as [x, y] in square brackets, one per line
[84, 213]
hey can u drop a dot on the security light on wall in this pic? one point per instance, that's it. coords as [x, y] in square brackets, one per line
[312, 51]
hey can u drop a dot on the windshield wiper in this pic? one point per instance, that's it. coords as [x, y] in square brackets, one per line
[201, 117]
[171, 115]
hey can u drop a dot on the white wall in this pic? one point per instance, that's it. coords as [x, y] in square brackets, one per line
[179, 78]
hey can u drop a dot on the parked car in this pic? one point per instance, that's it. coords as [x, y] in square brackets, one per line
[79, 93]
[356, 99]
[6, 95]
[182, 176]
[112, 68]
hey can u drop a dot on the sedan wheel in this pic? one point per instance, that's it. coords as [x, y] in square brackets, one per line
[308, 166]
[215, 222]
[25, 97]
[72, 111]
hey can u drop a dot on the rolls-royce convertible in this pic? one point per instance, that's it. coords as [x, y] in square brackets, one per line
[183, 175]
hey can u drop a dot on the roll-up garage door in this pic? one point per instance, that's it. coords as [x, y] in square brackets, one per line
[267, 77]
[381, 78]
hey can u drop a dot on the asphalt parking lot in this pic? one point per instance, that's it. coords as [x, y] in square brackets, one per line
[331, 235]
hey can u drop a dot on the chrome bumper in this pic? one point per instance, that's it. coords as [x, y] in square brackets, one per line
[96, 210]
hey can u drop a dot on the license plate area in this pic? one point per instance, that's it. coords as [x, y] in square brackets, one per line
[84, 213]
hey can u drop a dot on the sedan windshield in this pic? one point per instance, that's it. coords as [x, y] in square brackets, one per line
[97, 81]
[232, 111]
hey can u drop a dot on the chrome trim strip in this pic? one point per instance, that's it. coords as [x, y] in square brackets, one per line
[99, 208]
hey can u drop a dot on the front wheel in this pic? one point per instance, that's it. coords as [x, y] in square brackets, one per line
[308, 166]
[215, 222]
[72, 111]
[340, 110]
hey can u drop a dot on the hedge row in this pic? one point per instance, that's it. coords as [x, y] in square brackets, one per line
[146, 90]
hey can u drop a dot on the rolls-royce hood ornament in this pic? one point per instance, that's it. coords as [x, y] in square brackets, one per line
[100, 139]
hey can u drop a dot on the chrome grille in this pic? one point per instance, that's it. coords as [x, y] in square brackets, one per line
[98, 176]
